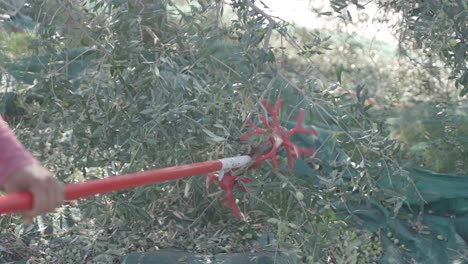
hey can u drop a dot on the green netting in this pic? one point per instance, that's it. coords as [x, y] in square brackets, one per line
[437, 234]
[70, 64]
[168, 256]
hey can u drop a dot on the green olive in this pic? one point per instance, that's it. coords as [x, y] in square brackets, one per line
[453, 43]
[299, 196]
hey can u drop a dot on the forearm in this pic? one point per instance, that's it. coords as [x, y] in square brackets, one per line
[12, 154]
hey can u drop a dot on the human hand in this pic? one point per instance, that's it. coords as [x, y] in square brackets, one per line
[48, 192]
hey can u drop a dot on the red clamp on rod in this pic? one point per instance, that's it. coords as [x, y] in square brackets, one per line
[19, 202]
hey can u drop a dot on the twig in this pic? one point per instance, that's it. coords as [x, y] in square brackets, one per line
[219, 6]
[271, 23]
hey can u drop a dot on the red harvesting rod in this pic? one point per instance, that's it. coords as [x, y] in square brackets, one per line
[18, 202]
[278, 137]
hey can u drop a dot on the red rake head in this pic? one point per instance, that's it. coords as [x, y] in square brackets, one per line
[228, 183]
[280, 136]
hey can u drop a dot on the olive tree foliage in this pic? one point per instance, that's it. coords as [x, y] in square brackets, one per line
[436, 29]
[439, 28]
[117, 86]
[428, 75]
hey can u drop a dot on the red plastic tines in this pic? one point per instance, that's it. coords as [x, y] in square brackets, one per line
[280, 136]
[228, 183]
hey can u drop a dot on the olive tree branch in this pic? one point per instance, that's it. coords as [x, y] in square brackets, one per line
[271, 22]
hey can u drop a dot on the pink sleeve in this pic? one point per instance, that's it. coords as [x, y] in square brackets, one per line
[12, 154]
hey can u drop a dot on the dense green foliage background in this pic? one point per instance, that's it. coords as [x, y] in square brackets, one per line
[98, 88]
